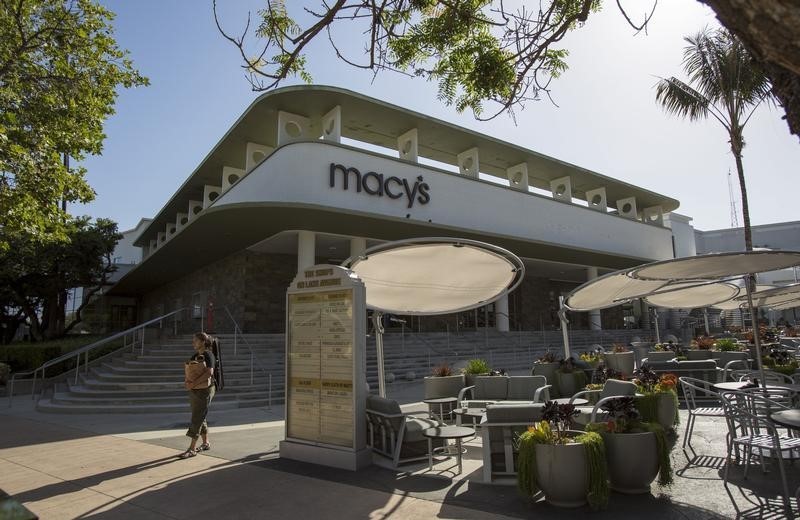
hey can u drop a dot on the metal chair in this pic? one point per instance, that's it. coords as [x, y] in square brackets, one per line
[694, 390]
[752, 431]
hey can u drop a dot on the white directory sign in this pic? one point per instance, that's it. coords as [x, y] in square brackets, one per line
[325, 367]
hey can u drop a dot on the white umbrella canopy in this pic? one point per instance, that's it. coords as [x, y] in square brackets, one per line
[778, 297]
[714, 267]
[741, 301]
[692, 295]
[430, 276]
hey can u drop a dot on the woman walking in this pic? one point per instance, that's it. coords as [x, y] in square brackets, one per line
[199, 381]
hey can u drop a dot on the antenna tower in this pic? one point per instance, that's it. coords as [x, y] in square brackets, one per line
[734, 213]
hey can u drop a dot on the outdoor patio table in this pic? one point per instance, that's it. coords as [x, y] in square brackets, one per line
[446, 433]
[578, 401]
[441, 401]
[787, 419]
[476, 414]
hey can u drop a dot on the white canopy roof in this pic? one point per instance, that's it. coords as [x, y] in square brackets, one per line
[716, 266]
[741, 301]
[435, 275]
[786, 297]
[692, 296]
[682, 283]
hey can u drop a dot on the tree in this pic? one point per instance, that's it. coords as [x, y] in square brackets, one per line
[59, 72]
[725, 83]
[768, 28]
[477, 50]
[36, 276]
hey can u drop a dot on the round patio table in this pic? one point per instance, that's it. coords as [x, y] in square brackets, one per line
[579, 401]
[787, 419]
[447, 433]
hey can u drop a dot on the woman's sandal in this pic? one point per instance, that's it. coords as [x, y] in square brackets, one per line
[187, 454]
[203, 447]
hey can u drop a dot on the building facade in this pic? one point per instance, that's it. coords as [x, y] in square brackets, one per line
[315, 174]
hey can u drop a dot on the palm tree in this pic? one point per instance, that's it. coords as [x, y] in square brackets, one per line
[725, 83]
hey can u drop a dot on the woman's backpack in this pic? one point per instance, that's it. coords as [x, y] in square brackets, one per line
[219, 375]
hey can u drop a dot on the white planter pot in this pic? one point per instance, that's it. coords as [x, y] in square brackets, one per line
[548, 370]
[561, 472]
[632, 461]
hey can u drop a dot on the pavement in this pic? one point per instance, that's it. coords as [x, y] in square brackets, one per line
[126, 466]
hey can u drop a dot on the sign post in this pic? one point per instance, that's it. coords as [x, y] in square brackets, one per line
[326, 369]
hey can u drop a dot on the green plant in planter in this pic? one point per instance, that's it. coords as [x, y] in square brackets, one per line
[476, 367]
[554, 430]
[592, 358]
[625, 418]
[727, 345]
[443, 370]
[567, 366]
[653, 388]
[781, 361]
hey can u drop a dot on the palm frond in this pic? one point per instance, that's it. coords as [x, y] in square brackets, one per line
[678, 98]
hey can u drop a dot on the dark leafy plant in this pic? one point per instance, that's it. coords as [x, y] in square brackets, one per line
[646, 379]
[560, 416]
[602, 373]
[442, 370]
[727, 345]
[619, 348]
[548, 357]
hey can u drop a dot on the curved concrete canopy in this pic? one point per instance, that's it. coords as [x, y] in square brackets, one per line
[373, 121]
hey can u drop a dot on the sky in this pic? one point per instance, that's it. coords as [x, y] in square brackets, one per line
[605, 117]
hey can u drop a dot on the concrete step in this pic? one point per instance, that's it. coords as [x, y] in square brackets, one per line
[47, 405]
[82, 400]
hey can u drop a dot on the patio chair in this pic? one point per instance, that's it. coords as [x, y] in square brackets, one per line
[700, 401]
[500, 427]
[397, 435]
[752, 431]
[612, 388]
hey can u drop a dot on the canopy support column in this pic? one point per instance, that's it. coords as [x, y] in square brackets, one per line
[562, 316]
[377, 320]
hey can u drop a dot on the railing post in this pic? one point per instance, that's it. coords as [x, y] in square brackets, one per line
[235, 336]
[142, 349]
[251, 368]
[33, 387]
[269, 391]
[77, 367]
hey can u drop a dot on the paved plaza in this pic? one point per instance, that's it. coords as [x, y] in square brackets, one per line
[126, 466]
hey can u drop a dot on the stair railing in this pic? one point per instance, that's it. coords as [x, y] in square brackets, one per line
[237, 331]
[125, 334]
[430, 348]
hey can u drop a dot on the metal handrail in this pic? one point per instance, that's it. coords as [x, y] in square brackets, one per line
[85, 350]
[237, 331]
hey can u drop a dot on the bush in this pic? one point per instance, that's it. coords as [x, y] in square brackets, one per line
[25, 357]
[477, 366]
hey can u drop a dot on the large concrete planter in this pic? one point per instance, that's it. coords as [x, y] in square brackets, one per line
[570, 383]
[548, 370]
[620, 361]
[561, 473]
[661, 407]
[469, 379]
[447, 386]
[632, 461]
[698, 355]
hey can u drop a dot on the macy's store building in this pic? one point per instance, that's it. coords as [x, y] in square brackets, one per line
[315, 174]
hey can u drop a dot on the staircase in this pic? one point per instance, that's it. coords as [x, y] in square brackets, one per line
[153, 382]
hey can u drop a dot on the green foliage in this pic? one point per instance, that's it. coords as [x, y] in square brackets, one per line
[476, 367]
[663, 447]
[23, 357]
[726, 345]
[59, 72]
[35, 275]
[475, 50]
[726, 83]
[596, 469]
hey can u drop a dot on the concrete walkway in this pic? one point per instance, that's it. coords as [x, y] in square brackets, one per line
[125, 466]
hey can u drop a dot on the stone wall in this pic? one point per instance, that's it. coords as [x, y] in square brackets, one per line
[251, 285]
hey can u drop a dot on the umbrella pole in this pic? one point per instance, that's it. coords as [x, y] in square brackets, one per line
[754, 321]
[562, 316]
[377, 320]
[655, 322]
[705, 319]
